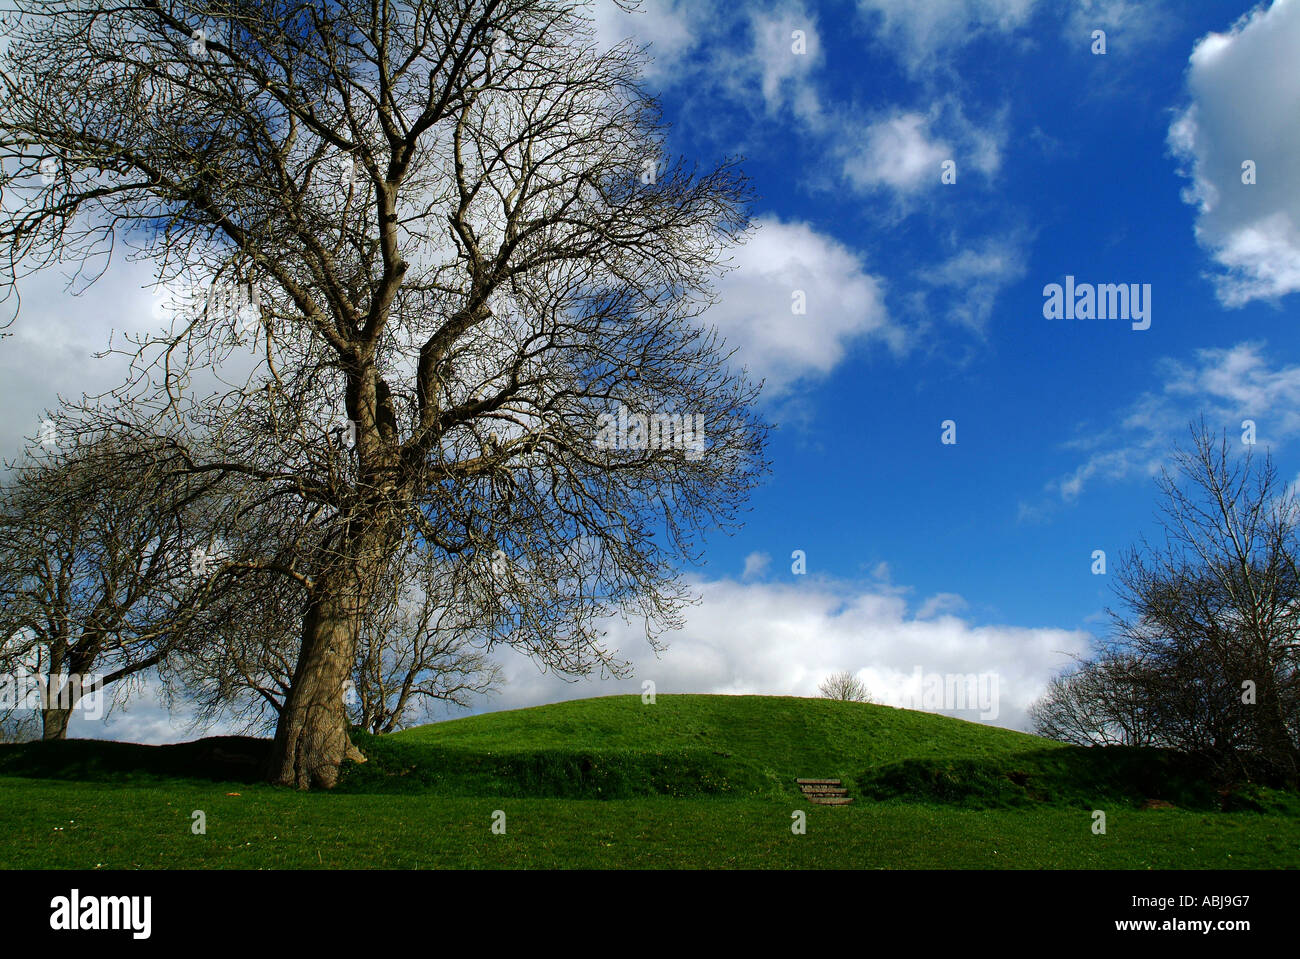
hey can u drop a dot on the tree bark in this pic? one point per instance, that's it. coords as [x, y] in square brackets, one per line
[58, 699]
[311, 738]
[54, 723]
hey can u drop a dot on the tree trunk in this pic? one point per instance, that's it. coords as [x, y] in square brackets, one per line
[58, 699]
[54, 723]
[311, 738]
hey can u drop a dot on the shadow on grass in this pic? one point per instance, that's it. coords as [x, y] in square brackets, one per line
[218, 758]
[402, 767]
[1074, 776]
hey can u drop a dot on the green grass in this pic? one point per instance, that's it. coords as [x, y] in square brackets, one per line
[689, 781]
[63, 825]
[783, 735]
[618, 747]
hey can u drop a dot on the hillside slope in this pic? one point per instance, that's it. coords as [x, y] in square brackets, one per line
[784, 734]
[686, 745]
[680, 745]
[733, 747]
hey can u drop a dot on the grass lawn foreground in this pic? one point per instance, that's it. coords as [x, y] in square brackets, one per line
[685, 782]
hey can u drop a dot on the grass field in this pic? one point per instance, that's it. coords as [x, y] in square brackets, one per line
[690, 781]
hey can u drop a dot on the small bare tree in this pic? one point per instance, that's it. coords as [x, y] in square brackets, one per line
[100, 543]
[18, 725]
[845, 686]
[241, 669]
[424, 647]
[1218, 607]
[1101, 702]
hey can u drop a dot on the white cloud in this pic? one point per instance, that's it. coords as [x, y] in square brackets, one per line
[845, 305]
[670, 28]
[941, 603]
[51, 353]
[784, 639]
[922, 33]
[1244, 90]
[784, 75]
[751, 60]
[51, 350]
[898, 152]
[1239, 382]
[756, 564]
[752, 65]
[975, 276]
[905, 150]
[1127, 23]
[1227, 386]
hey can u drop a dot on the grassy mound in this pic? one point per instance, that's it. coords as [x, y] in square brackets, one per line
[604, 748]
[407, 767]
[686, 746]
[617, 747]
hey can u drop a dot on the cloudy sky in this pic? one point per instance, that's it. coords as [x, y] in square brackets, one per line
[926, 168]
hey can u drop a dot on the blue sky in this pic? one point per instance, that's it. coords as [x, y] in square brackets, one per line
[1085, 183]
[925, 303]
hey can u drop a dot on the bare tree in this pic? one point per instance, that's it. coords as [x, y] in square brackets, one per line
[845, 686]
[472, 258]
[1238, 524]
[99, 544]
[18, 725]
[1101, 702]
[1211, 614]
[241, 669]
[423, 648]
